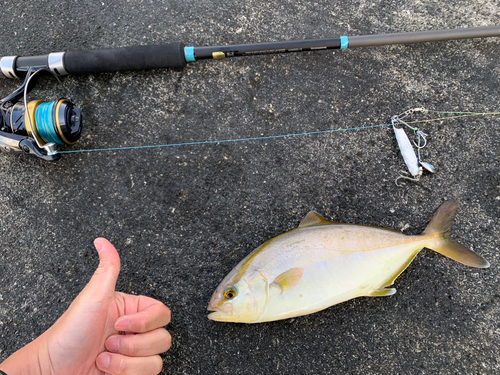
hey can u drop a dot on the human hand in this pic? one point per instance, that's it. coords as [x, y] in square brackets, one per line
[102, 332]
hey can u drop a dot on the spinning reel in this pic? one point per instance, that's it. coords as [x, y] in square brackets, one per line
[37, 127]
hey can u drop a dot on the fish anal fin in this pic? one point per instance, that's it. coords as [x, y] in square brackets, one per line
[383, 292]
[287, 280]
[312, 219]
[401, 269]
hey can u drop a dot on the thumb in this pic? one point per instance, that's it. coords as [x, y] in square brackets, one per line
[103, 282]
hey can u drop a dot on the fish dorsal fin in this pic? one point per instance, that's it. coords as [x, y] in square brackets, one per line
[287, 280]
[313, 218]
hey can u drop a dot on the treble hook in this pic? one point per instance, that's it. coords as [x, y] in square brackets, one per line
[405, 175]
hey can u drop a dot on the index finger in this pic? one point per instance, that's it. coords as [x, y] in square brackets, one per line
[142, 314]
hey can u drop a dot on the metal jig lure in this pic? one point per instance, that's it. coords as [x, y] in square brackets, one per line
[413, 161]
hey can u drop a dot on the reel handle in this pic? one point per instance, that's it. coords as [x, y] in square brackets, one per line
[27, 145]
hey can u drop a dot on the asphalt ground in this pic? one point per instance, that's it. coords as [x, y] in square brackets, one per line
[183, 217]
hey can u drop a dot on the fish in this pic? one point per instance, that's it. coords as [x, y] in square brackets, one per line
[321, 263]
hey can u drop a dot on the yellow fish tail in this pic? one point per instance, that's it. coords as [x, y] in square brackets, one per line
[439, 228]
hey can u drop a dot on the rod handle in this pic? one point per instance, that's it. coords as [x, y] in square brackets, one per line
[128, 58]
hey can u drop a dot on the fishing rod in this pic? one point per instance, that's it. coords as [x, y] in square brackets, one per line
[36, 127]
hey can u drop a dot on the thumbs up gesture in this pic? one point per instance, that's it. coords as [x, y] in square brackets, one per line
[102, 332]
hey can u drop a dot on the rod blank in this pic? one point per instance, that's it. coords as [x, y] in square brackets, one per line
[261, 48]
[423, 36]
[220, 52]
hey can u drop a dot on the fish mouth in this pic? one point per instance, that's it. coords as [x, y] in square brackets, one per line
[221, 316]
[226, 309]
[216, 315]
[214, 308]
[220, 313]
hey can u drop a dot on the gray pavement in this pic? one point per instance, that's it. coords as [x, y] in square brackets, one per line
[183, 217]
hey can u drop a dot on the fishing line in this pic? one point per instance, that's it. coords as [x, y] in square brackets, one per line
[463, 114]
[228, 140]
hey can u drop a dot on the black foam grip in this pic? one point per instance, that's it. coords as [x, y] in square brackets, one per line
[128, 58]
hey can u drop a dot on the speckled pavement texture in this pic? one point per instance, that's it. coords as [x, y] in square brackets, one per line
[183, 217]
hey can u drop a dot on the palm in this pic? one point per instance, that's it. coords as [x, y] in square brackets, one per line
[79, 335]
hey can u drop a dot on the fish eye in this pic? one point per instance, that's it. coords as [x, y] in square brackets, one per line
[230, 293]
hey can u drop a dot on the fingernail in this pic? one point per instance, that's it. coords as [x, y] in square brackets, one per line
[122, 325]
[113, 344]
[98, 245]
[104, 360]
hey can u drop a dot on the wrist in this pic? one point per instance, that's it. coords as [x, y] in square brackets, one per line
[26, 361]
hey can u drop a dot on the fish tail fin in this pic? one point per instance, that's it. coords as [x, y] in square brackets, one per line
[439, 227]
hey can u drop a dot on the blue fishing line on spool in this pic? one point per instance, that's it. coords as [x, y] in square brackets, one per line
[44, 122]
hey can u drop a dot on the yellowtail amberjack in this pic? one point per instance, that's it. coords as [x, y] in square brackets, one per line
[321, 263]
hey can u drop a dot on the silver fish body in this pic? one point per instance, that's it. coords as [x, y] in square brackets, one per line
[320, 264]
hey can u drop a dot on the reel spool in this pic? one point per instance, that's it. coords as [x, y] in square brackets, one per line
[56, 122]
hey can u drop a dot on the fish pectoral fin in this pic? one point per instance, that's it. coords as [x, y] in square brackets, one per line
[384, 292]
[312, 219]
[286, 281]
